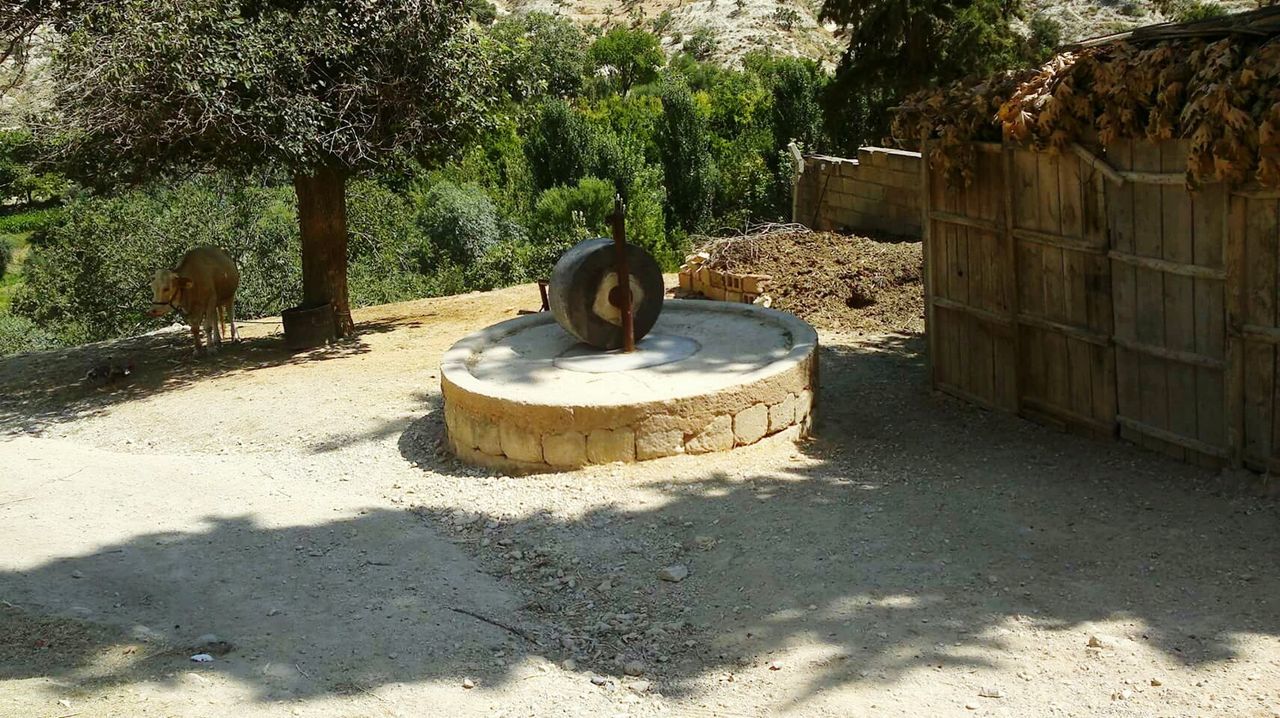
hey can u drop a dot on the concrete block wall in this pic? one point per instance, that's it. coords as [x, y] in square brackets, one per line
[879, 191]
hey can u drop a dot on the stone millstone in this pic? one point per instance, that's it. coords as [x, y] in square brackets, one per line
[525, 396]
[578, 294]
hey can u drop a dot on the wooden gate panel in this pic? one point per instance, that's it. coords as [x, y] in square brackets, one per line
[1066, 368]
[970, 287]
[1261, 218]
[1168, 275]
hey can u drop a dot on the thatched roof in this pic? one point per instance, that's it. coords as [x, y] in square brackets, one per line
[1215, 82]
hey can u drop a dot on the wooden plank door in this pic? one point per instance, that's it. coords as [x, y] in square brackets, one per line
[1064, 320]
[969, 288]
[1168, 268]
[1254, 244]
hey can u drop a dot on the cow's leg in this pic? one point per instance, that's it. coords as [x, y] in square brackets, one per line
[195, 337]
[222, 319]
[231, 318]
[215, 331]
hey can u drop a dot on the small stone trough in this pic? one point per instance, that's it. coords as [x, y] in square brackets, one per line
[523, 396]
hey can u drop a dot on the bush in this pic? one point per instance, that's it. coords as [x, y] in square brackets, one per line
[786, 18]
[558, 145]
[6, 255]
[630, 57]
[538, 55]
[19, 335]
[458, 224]
[29, 221]
[88, 276]
[565, 216]
[385, 246]
[701, 44]
[1193, 10]
[1046, 36]
[686, 159]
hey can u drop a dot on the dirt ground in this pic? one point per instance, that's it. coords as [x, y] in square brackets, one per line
[294, 517]
[839, 282]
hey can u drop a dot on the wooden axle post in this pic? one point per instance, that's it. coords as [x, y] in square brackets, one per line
[620, 296]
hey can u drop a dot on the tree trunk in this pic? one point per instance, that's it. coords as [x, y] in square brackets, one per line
[322, 217]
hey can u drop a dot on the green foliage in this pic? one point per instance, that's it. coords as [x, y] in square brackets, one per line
[796, 86]
[21, 175]
[459, 224]
[29, 220]
[897, 46]
[225, 83]
[558, 145]
[19, 335]
[482, 11]
[385, 246]
[6, 255]
[686, 158]
[631, 57]
[786, 17]
[1046, 36]
[1193, 10]
[661, 22]
[701, 44]
[538, 55]
[567, 215]
[87, 277]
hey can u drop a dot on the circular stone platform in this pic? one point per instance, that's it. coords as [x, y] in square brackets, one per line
[523, 395]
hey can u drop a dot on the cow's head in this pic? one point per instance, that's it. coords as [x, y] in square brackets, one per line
[166, 288]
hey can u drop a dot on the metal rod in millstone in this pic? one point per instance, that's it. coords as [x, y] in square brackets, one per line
[620, 296]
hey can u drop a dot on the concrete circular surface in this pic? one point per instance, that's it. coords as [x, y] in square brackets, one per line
[524, 395]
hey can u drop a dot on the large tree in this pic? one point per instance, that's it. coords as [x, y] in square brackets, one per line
[898, 46]
[321, 88]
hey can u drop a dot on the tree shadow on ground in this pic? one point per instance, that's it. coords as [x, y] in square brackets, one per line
[910, 534]
[336, 607]
[42, 389]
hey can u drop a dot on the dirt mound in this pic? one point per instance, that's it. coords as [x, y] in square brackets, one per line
[837, 282]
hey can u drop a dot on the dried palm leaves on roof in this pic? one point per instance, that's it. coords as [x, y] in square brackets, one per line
[1216, 85]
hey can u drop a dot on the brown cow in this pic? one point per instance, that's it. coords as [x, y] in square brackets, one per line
[202, 288]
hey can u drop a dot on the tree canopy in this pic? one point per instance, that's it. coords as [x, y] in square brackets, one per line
[320, 88]
[340, 83]
[897, 46]
[633, 57]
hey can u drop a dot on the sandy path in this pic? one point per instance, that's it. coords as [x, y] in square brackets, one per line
[919, 552]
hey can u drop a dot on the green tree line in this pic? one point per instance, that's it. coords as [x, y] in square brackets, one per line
[482, 187]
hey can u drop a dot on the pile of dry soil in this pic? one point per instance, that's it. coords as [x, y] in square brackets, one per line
[837, 282]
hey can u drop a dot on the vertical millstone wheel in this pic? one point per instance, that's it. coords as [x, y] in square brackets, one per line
[581, 284]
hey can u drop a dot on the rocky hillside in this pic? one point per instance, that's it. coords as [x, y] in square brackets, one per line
[727, 29]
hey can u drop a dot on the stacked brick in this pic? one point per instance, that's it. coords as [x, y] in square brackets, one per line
[879, 191]
[697, 278]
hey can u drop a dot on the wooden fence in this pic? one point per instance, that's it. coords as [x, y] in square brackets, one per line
[1101, 295]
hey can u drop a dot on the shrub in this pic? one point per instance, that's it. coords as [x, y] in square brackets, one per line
[786, 18]
[558, 145]
[1193, 10]
[88, 276]
[6, 255]
[459, 224]
[539, 54]
[631, 57]
[29, 221]
[19, 335]
[564, 216]
[701, 44]
[1046, 36]
[385, 246]
[686, 159]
